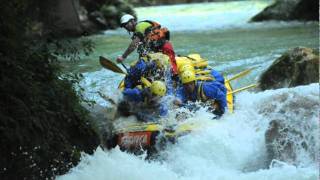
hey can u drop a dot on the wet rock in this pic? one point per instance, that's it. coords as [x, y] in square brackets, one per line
[98, 18]
[105, 14]
[78, 17]
[299, 66]
[63, 19]
[285, 143]
[290, 10]
[293, 129]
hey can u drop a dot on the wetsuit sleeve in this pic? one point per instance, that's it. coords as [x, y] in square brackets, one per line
[134, 94]
[151, 66]
[181, 95]
[213, 91]
[134, 74]
[218, 77]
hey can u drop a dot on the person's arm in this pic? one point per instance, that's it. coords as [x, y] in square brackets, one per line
[133, 94]
[218, 77]
[180, 97]
[213, 91]
[132, 46]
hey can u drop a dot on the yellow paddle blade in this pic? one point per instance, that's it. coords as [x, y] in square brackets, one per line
[106, 63]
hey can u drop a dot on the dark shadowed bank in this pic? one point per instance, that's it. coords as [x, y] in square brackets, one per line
[43, 127]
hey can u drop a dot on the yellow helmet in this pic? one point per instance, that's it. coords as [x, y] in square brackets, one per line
[186, 67]
[158, 88]
[188, 76]
[195, 57]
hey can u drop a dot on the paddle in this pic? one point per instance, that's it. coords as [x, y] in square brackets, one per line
[106, 63]
[243, 88]
[125, 67]
[243, 73]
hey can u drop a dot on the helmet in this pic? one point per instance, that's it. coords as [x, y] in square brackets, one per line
[125, 19]
[158, 88]
[186, 67]
[195, 57]
[188, 76]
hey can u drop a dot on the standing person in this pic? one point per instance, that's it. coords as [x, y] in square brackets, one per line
[211, 92]
[147, 36]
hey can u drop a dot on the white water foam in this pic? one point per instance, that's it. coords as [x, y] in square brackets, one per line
[103, 81]
[230, 148]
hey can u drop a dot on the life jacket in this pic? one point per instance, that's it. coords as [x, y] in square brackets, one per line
[155, 32]
[154, 36]
[200, 93]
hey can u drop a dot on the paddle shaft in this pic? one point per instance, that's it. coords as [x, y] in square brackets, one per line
[125, 67]
[243, 88]
[243, 73]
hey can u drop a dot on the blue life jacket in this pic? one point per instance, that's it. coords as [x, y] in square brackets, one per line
[135, 95]
[217, 76]
[205, 90]
[140, 69]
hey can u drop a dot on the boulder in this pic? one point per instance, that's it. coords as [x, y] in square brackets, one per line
[298, 66]
[293, 127]
[281, 142]
[66, 18]
[290, 10]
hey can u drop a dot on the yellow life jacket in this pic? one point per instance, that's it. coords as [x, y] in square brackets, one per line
[200, 93]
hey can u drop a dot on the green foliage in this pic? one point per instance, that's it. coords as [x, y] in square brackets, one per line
[109, 11]
[71, 49]
[39, 105]
[113, 11]
[74, 79]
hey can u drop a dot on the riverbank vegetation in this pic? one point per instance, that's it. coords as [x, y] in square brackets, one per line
[43, 126]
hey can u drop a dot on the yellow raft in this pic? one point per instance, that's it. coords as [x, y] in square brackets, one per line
[143, 136]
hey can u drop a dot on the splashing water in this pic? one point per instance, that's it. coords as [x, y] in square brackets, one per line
[233, 147]
[230, 148]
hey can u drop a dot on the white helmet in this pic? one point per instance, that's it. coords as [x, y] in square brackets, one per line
[125, 19]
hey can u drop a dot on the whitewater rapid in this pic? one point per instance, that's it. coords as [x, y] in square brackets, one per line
[230, 148]
[208, 16]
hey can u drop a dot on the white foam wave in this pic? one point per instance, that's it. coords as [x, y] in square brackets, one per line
[230, 148]
[102, 81]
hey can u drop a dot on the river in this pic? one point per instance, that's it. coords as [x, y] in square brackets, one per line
[234, 146]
